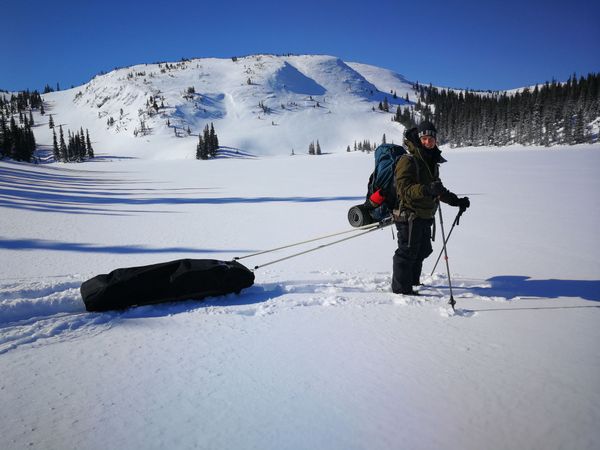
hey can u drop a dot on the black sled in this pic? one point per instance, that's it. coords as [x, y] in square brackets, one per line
[183, 279]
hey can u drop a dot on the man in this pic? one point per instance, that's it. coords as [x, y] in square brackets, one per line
[419, 191]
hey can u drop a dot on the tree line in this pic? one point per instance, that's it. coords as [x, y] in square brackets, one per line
[17, 140]
[365, 145]
[549, 114]
[22, 102]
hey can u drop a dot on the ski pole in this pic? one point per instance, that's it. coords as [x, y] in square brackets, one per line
[364, 227]
[452, 302]
[456, 220]
[378, 226]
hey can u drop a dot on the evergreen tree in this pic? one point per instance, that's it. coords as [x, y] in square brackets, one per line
[579, 129]
[88, 143]
[213, 141]
[200, 148]
[21, 143]
[50, 122]
[318, 151]
[28, 149]
[206, 140]
[62, 146]
[208, 143]
[55, 149]
[3, 135]
[547, 114]
[14, 140]
[82, 145]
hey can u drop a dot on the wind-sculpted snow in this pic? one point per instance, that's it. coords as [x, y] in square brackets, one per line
[288, 78]
[201, 107]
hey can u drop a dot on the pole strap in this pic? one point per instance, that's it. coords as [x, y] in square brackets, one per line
[377, 226]
[354, 230]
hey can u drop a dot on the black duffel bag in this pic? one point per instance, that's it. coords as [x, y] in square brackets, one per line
[183, 279]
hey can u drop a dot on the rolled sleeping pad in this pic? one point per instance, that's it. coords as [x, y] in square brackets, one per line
[359, 215]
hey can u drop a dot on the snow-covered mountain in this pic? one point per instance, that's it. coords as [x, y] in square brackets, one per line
[261, 104]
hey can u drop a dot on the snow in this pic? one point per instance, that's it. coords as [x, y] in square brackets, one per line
[318, 353]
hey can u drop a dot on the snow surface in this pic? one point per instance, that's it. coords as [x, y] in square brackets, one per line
[318, 353]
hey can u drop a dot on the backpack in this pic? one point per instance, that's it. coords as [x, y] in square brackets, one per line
[381, 190]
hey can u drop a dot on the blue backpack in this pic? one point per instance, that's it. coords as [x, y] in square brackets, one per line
[382, 187]
[381, 190]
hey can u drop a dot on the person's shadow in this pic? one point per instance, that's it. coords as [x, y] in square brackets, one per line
[511, 286]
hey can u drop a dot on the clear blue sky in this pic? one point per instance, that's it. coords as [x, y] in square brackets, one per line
[474, 44]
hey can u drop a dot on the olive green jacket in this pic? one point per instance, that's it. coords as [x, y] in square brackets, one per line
[414, 173]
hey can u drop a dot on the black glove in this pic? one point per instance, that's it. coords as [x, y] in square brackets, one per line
[435, 188]
[463, 204]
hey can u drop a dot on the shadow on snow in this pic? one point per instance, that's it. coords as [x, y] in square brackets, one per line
[521, 286]
[61, 191]
[41, 244]
[253, 295]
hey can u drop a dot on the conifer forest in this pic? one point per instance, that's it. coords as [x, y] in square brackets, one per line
[548, 114]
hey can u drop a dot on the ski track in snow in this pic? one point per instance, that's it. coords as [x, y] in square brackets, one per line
[45, 311]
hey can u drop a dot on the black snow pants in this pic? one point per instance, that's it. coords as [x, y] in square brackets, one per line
[408, 259]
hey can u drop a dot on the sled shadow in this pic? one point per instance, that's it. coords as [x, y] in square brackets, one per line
[253, 295]
[511, 286]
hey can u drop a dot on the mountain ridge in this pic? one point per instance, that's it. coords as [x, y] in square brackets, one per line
[263, 104]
